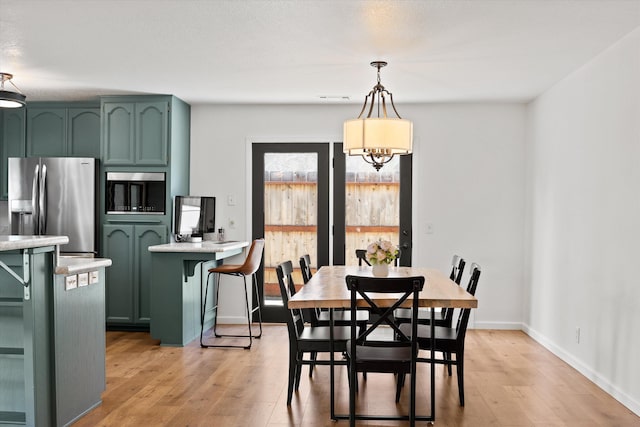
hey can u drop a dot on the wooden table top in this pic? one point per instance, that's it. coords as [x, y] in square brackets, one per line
[328, 289]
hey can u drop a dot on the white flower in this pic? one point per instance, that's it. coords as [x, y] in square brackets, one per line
[381, 252]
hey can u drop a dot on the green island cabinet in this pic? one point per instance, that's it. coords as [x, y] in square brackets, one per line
[12, 140]
[58, 130]
[52, 341]
[140, 134]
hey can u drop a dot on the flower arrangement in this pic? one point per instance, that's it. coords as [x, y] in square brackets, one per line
[381, 252]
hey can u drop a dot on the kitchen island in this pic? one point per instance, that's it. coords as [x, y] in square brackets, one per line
[52, 336]
[178, 274]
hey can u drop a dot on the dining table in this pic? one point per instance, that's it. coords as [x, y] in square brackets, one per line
[327, 289]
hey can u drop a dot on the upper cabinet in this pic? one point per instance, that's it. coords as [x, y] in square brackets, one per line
[62, 131]
[135, 133]
[12, 140]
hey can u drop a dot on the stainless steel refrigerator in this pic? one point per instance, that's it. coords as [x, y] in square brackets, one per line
[55, 196]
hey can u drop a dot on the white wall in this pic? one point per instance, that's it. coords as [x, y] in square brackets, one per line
[584, 219]
[469, 176]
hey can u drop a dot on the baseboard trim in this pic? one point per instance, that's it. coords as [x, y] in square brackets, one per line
[510, 326]
[584, 369]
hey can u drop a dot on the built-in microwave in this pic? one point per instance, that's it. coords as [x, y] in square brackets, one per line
[136, 193]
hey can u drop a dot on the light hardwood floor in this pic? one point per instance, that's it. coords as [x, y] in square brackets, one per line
[510, 380]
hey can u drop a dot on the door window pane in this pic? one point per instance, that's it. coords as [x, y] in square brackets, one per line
[372, 205]
[290, 215]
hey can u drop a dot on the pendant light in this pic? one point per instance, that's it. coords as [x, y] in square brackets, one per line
[377, 137]
[10, 99]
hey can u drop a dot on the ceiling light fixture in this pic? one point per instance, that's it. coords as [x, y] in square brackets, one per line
[10, 99]
[377, 137]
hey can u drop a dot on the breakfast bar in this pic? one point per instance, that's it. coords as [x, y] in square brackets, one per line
[178, 272]
[52, 335]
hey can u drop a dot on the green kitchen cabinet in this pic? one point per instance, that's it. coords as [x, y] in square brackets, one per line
[135, 133]
[128, 290]
[12, 144]
[83, 132]
[63, 131]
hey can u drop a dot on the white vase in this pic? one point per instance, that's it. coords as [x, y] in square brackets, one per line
[381, 270]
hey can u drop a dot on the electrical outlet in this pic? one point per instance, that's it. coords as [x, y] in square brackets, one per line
[231, 200]
[232, 224]
[577, 335]
[428, 229]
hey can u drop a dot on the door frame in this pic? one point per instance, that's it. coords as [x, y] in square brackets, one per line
[257, 151]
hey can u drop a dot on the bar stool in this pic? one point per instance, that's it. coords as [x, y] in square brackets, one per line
[249, 268]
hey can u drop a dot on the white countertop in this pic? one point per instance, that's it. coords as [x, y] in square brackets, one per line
[75, 265]
[201, 247]
[12, 243]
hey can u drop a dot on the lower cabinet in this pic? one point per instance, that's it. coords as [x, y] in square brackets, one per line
[128, 290]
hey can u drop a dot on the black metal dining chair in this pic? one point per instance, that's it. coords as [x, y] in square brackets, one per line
[449, 340]
[445, 317]
[302, 338]
[340, 317]
[368, 354]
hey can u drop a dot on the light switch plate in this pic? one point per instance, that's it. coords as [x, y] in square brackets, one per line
[83, 279]
[70, 282]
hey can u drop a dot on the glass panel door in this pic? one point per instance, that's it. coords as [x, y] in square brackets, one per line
[291, 210]
[371, 205]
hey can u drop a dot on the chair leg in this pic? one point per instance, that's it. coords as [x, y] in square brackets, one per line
[447, 356]
[293, 363]
[246, 298]
[257, 307]
[249, 309]
[215, 318]
[399, 385]
[298, 370]
[314, 356]
[460, 373]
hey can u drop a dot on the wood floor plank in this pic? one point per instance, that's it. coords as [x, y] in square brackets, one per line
[510, 380]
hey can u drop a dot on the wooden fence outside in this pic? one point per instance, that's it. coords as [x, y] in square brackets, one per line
[290, 213]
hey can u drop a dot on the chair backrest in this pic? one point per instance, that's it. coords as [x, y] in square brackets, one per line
[311, 315]
[362, 288]
[305, 266]
[254, 258]
[361, 254]
[457, 267]
[463, 317]
[295, 321]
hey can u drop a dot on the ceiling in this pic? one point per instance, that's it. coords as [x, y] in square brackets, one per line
[277, 51]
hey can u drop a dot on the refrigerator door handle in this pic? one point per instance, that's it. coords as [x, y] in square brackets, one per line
[35, 200]
[43, 201]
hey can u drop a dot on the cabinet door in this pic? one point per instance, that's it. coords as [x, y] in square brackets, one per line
[118, 134]
[46, 132]
[152, 127]
[120, 280]
[13, 143]
[84, 132]
[146, 235]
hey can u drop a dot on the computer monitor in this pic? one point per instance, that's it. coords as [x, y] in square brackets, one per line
[194, 216]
